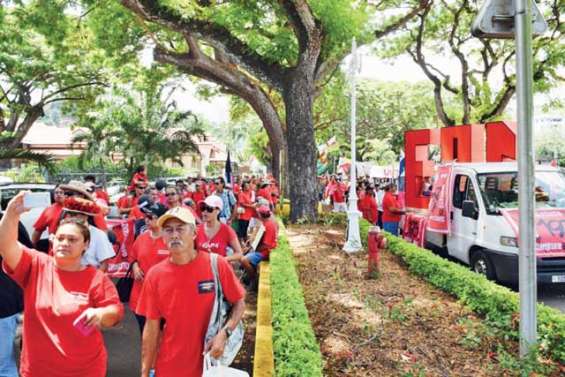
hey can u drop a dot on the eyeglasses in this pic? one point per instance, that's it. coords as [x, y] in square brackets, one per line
[171, 194]
[206, 208]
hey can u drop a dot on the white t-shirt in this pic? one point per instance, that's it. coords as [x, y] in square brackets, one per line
[380, 196]
[99, 249]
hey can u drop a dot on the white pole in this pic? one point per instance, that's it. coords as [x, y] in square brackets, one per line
[353, 243]
[526, 181]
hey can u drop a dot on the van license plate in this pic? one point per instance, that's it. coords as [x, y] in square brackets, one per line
[558, 279]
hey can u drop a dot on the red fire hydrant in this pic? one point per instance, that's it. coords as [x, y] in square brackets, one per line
[377, 242]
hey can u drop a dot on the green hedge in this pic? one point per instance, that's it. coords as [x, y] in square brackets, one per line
[296, 350]
[498, 304]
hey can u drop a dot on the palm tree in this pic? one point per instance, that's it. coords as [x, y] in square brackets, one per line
[8, 153]
[143, 127]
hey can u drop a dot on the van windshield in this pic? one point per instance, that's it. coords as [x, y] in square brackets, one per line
[500, 190]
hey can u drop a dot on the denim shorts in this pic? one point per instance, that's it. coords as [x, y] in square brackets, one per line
[391, 227]
[254, 258]
[8, 328]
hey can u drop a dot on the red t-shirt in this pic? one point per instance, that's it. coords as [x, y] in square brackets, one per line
[389, 201]
[147, 251]
[136, 213]
[368, 207]
[54, 298]
[216, 244]
[264, 193]
[183, 295]
[100, 222]
[338, 194]
[245, 198]
[269, 239]
[125, 201]
[49, 219]
[101, 194]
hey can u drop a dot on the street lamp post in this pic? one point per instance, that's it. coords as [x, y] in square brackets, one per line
[526, 201]
[353, 243]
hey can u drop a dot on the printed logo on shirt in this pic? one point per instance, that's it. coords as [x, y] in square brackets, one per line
[206, 286]
[79, 297]
[163, 252]
[210, 245]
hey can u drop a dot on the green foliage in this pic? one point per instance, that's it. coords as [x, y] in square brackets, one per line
[142, 126]
[499, 305]
[479, 79]
[27, 173]
[46, 56]
[383, 114]
[296, 350]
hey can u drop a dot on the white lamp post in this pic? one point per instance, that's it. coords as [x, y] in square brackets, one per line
[353, 243]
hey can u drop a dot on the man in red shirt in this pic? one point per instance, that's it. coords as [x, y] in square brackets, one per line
[246, 208]
[180, 290]
[391, 210]
[266, 245]
[49, 219]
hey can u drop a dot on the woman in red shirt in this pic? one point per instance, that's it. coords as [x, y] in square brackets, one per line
[65, 302]
[368, 206]
[147, 250]
[213, 236]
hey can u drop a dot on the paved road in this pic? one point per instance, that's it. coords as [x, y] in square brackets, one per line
[123, 344]
[553, 295]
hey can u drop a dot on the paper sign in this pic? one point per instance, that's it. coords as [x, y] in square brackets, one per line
[440, 202]
[550, 230]
[37, 199]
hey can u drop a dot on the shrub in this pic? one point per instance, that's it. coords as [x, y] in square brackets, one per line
[296, 350]
[498, 304]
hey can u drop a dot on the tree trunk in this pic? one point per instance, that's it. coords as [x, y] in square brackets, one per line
[298, 98]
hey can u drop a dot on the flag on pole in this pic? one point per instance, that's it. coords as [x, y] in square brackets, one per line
[228, 171]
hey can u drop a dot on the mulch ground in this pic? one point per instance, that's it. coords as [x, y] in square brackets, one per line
[397, 325]
[244, 359]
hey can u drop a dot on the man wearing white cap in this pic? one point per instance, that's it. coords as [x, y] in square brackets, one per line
[180, 290]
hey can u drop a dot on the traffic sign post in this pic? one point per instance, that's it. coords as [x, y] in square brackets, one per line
[508, 19]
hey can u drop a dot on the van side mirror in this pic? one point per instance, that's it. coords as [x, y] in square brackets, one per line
[469, 209]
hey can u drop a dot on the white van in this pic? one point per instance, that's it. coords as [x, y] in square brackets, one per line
[484, 220]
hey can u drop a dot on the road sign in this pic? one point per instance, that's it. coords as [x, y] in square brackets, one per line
[496, 19]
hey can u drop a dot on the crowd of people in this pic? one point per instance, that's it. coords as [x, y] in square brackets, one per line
[377, 199]
[67, 297]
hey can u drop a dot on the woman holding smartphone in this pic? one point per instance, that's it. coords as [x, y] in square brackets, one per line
[65, 303]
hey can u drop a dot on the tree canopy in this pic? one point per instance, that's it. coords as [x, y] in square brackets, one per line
[485, 79]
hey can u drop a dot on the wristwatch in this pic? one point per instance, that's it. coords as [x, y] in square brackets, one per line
[228, 331]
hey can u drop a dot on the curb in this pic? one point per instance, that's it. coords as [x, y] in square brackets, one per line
[264, 363]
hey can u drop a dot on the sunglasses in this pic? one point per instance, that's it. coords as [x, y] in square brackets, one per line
[206, 208]
[141, 187]
[69, 193]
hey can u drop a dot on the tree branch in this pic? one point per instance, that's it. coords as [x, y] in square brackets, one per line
[218, 36]
[419, 59]
[400, 22]
[461, 57]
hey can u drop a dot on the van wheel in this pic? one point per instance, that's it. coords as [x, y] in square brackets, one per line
[481, 264]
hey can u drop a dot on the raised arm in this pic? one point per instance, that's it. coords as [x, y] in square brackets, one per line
[10, 249]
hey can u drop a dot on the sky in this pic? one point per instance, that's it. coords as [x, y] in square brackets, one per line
[372, 67]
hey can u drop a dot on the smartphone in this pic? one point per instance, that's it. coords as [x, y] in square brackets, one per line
[37, 199]
[82, 327]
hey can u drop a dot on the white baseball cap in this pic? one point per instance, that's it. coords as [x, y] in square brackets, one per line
[214, 202]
